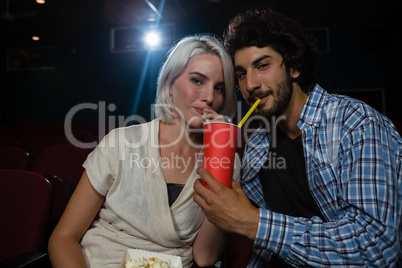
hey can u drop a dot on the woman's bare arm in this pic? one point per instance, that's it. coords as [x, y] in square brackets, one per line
[64, 248]
[209, 244]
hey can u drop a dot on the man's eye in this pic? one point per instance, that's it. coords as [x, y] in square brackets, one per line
[263, 66]
[241, 75]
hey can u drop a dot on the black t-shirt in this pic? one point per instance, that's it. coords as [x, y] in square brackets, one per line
[174, 191]
[284, 182]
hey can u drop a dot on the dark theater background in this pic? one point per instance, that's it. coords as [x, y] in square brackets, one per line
[79, 68]
[90, 53]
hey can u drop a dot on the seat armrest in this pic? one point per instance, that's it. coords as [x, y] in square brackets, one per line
[28, 260]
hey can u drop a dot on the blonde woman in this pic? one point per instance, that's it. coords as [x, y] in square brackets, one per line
[139, 179]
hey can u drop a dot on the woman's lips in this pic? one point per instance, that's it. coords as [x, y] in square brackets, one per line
[199, 110]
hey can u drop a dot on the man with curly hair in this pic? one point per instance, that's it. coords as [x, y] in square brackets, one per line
[333, 197]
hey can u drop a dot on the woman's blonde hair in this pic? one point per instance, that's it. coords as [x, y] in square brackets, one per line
[177, 60]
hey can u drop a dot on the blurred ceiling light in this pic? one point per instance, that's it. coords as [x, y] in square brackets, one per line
[35, 38]
[40, 1]
[152, 39]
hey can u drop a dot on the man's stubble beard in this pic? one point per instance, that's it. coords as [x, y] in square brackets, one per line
[282, 97]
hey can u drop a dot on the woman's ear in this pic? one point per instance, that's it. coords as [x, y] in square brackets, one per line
[171, 93]
[170, 89]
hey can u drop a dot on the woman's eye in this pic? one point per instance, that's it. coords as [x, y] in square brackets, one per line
[196, 81]
[220, 88]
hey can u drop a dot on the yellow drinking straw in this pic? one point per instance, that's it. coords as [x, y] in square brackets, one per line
[204, 114]
[249, 113]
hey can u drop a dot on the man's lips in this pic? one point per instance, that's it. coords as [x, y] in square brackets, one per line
[263, 100]
[263, 97]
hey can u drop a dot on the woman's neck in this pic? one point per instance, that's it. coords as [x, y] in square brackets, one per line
[177, 133]
[180, 147]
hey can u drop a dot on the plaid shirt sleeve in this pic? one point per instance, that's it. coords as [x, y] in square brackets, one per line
[353, 164]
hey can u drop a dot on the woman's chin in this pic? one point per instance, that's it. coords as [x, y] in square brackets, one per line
[196, 123]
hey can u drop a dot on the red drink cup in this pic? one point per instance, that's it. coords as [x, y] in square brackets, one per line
[220, 142]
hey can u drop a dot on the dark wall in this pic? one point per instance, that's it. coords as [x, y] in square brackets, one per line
[87, 72]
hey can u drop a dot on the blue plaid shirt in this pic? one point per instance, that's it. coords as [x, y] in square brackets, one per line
[353, 166]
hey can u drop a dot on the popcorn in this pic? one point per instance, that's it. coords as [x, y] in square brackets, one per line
[137, 258]
[142, 262]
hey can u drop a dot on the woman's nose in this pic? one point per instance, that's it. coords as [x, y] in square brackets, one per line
[208, 95]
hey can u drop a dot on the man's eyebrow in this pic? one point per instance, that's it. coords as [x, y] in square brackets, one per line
[258, 60]
[238, 68]
[254, 63]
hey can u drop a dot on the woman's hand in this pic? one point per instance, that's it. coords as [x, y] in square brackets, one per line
[211, 115]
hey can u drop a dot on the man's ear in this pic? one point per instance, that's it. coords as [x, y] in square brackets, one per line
[294, 73]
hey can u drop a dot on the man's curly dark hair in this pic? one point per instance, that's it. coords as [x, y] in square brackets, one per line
[266, 27]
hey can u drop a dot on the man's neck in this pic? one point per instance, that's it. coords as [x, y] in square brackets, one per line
[288, 125]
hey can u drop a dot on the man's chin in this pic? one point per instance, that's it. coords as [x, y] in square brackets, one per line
[269, 113]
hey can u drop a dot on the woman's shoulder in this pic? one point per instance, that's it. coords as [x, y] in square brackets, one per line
[136, 129]
[133, 134]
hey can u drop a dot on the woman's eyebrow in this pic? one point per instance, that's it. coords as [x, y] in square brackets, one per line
[206, 77]
[220, 83]
[198, 73]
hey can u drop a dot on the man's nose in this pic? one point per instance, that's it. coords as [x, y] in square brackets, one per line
[252, 82]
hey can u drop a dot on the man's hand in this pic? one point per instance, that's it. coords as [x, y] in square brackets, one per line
[228, 208]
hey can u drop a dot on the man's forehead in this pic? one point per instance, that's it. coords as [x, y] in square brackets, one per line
[252, 55]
